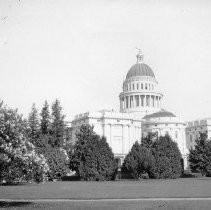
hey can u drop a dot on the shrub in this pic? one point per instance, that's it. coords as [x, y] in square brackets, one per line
[92, 158]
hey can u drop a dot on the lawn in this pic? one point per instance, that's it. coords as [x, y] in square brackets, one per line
[76, 190]
[187, 187]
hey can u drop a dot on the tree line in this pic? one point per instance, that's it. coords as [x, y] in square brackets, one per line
[36, 149]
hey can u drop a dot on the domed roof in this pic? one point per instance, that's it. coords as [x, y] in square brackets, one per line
[162, 113]
[140, 69]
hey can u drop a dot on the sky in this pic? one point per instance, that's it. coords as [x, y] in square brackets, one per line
[80, 52]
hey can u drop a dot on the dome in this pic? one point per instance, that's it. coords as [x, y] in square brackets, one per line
[162, 113]
[140, 69]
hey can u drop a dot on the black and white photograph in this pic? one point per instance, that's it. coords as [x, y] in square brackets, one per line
[105, 104]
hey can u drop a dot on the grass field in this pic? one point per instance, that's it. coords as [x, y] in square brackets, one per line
[76, 190]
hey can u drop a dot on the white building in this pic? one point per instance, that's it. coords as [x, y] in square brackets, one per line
[194, 129]
[140, 112]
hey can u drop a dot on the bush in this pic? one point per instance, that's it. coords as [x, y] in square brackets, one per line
[92, 158]
[139, 161]
[167, 158]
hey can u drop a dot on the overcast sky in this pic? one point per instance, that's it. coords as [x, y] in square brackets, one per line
[80, 52]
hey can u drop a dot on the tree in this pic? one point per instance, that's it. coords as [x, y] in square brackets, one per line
[33, 122]
[45, 119]
[58, 161]
[147, 141]
[200, 156]
[139, 161]
[92, 158]
[57, 126]
[167, 158]
[18, 158]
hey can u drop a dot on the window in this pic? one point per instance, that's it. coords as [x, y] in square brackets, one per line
[149, 86]
[142, 86]
[176, 134]
[191, 138]
[133, 86]
[146, 86]
[130, 86]
[137, 86]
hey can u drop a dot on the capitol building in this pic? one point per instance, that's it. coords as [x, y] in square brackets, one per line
[140, 112]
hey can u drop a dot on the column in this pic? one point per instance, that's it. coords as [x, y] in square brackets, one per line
[111, 135]
[153, 102]
[133, 102]
[149, 100]
[145, 100]
[120, 104]
[142, 100]
[123, 103]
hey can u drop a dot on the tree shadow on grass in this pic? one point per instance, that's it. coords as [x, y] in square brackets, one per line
[7, 204]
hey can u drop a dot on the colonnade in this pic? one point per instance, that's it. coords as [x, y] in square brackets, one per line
[134, 101]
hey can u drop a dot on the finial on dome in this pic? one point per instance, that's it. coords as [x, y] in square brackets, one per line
[139, 56]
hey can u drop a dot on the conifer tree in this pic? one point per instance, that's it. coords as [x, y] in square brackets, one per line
[33, 123]
[45, 119]
[57, 126]
[167, 158]
[92, 158]
[200, 156]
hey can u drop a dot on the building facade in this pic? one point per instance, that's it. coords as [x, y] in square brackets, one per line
[194, 129]
[140, 113]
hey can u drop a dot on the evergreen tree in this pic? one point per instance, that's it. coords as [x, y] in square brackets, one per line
[139, 161]
[200, 156]
[167, 158]
[92, 158]
[33, 123]
[147, 141]
[57, 126]
[45, 119]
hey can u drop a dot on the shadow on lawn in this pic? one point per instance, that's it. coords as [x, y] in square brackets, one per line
[7, 204]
